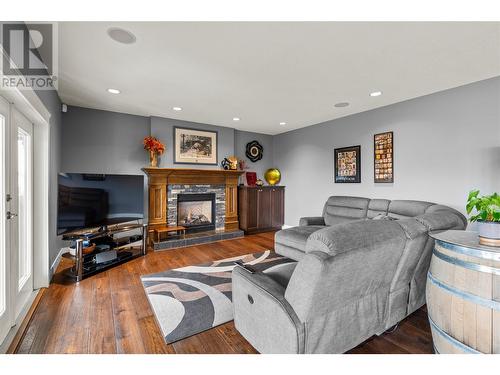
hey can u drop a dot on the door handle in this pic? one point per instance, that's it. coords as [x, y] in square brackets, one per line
[10, 215]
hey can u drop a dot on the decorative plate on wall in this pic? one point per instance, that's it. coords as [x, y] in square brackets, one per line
[254, 151]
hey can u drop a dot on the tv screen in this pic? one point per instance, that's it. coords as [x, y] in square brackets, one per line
[93, 200]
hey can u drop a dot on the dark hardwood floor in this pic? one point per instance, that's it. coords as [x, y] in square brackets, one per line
[109, 312]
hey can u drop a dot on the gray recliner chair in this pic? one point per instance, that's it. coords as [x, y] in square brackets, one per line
[354, 278]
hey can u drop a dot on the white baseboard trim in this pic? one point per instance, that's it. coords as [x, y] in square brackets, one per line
[54, 265]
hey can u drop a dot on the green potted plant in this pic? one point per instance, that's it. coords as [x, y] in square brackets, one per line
[487, 216]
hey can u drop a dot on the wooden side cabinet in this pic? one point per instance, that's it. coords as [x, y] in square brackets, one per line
[261, 209]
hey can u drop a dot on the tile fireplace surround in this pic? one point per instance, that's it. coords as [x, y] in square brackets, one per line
[166, 183]
[220, 201]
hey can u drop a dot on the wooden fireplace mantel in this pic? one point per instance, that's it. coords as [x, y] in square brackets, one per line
[160, 178]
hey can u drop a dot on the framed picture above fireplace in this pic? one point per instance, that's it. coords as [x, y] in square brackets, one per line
[193, 146]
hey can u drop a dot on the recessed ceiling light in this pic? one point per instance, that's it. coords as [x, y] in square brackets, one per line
[282, 123]
[376, 93]
[177, 108]
[236, 119]
[113, 91]
[121, 35]
[341, 104]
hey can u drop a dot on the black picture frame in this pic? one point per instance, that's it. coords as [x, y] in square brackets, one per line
[339, 176]
[176, 145]
[383, 166]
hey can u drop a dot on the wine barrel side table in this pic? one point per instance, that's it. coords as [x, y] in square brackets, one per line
[463, 294]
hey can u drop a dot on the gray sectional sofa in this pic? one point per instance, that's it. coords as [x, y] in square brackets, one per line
[361, 268]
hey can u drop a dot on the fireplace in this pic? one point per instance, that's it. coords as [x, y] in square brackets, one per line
[196, 212]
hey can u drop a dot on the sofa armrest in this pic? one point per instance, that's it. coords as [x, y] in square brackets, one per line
[262, 314]
[341, 238]
[311, 220]
[441, 220]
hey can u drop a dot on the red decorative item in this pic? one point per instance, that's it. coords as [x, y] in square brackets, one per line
[242, 164]
[251, 178]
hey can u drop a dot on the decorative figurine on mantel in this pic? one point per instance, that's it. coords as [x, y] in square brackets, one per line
[155, 148]
[230, 163]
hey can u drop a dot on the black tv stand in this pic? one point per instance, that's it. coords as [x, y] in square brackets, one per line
[112, 241]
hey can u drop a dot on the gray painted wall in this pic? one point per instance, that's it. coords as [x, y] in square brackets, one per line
[96, 141]
[163, 129]
[241, 138]
[445, 145]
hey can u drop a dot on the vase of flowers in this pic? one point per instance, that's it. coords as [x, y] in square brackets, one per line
[155, 148]
[487, 216]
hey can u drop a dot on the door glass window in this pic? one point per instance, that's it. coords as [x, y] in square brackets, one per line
[24, 205]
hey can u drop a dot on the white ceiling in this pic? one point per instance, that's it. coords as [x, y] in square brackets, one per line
[267, 73]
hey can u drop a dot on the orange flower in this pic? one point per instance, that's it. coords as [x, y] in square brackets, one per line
[153, 144]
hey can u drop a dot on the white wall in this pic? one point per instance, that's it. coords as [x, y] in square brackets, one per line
[445, 145]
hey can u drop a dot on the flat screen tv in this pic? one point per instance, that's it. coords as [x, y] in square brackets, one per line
[94, 200]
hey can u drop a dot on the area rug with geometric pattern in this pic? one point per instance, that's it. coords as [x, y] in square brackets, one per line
[192, 299]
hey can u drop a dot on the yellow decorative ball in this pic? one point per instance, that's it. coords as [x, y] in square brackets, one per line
[272, 176]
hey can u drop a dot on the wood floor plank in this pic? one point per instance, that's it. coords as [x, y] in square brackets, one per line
[43, 322]
[410, 338]
[234, 339]
[378, 345]
[57, 318]
[126, 325]
[77, 315]
[153, 340]
[102, 334]
[208, 342]
[110, 313]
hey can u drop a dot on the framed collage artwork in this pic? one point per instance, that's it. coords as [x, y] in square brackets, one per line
[383, 146]
[347, 162]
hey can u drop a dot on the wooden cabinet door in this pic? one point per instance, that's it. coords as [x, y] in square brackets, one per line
[264, 208]
[277, 207]
[251, 209]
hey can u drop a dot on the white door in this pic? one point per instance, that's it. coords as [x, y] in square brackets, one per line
[21, 208]
[5, 277]
[16, 219]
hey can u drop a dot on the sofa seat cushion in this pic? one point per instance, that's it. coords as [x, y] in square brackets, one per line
[296, 237]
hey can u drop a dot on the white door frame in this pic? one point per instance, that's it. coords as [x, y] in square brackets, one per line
[30, 105]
